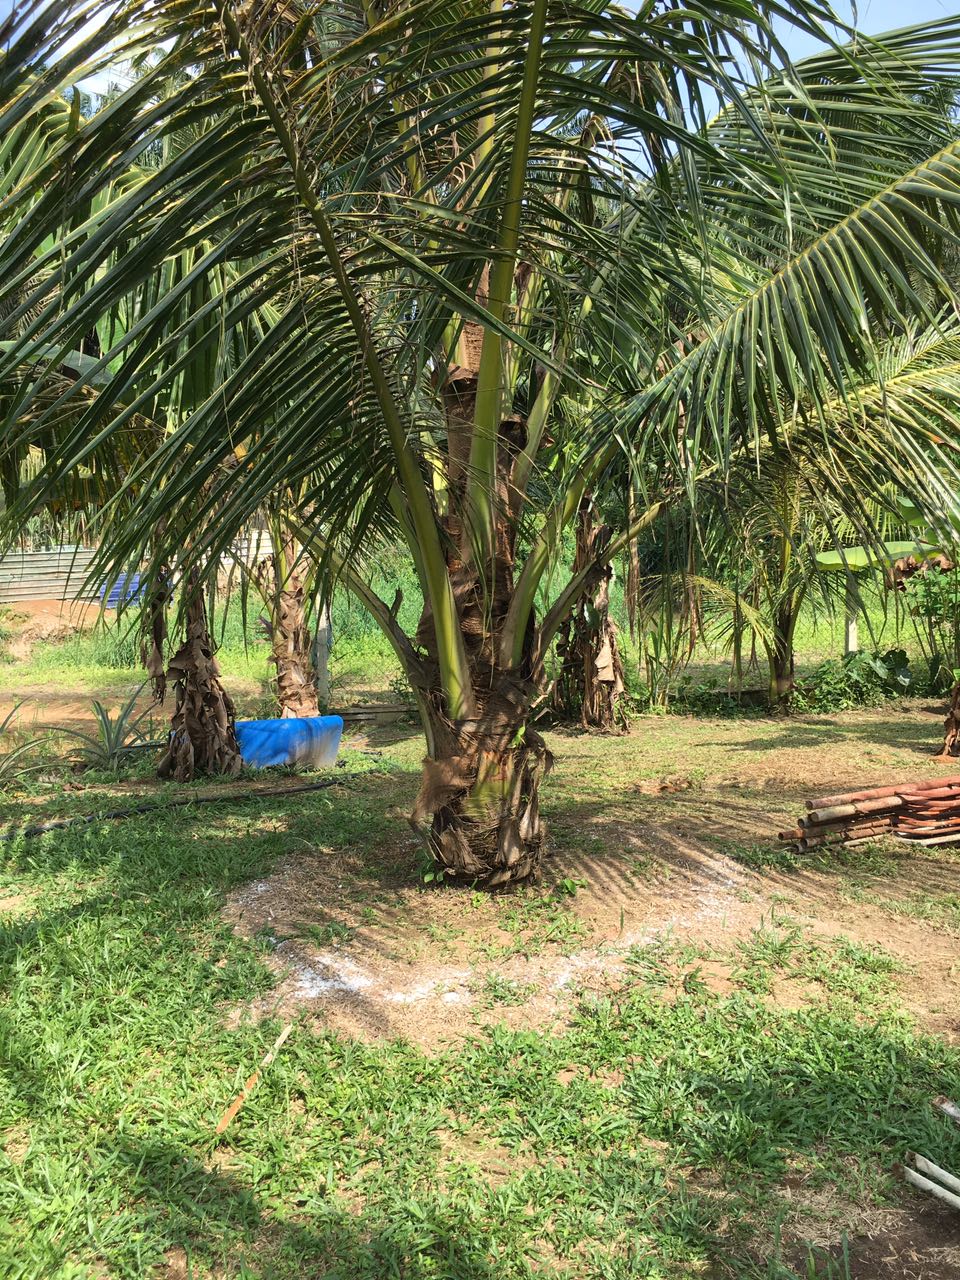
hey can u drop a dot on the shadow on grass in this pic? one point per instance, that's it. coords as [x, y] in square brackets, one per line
[223, 1227]
[118, 1062]
[901, 732]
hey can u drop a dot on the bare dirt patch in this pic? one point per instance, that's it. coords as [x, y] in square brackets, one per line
[359, 944]
[175, 1265]
[436, 964]
[16, 1143]
[921, 1243]
[46, 621]
[15, 905]
[45, 707]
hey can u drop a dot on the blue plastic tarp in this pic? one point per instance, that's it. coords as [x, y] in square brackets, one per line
[310, 740]
[126, 588]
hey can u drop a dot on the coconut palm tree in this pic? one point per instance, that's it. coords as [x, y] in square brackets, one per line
[779, 520]
[202, 736]
[504, 247]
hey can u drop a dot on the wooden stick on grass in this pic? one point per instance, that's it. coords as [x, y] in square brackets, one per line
[253, 1080]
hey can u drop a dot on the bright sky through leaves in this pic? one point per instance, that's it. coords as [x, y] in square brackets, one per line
[873, 17]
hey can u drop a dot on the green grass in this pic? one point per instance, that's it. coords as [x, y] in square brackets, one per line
[108, 657]
[533, 921]
[868, 873]
[840, 966]
[494, 989]
[661, 1131]
[333, 933]
[650, 1136]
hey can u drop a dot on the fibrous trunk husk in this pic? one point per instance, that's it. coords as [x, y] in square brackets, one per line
[479, 800]
[154, 639]
[951, 725]
[481, 791]
[782, 669]
[590, 679]
[203, 736]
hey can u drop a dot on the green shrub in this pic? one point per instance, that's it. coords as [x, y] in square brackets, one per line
[857, 680]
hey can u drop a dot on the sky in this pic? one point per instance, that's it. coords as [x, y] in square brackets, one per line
[873, 16]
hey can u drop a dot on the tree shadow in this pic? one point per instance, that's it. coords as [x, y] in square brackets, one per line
[191, 1215]
[163, 879]
[901, 732]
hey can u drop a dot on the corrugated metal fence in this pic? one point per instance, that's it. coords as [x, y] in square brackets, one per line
[44, 575]
[59, 574]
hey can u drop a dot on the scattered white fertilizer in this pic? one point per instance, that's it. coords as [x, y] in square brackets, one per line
[329, 974]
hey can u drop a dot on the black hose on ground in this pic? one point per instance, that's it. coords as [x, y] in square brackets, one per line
[61, 824]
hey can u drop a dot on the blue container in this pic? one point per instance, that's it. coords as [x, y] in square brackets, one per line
[310, 740]
[127, 587]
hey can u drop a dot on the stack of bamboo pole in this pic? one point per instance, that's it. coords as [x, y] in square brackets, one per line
[926, 812]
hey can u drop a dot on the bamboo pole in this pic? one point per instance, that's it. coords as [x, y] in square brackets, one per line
[925, 1184]
[808, 824]
[926, 812]
[830, 812]
[931, 1170]
[930, 840]
[948, 1108]
[877, 793]
[852, 836]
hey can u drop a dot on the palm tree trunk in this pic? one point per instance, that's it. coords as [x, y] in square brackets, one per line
[203, 737]
[951, 725]
[781, 658]
[479, 799]
[292, 642]
[320, 653]
[591, 678]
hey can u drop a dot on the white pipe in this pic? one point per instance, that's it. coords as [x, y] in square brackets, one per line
[924, 1184]
[934, 1171]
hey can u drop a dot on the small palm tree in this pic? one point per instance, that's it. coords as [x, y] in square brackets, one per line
[441, 267]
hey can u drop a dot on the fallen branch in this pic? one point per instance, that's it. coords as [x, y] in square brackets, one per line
[948, 1107]
[253, 1080]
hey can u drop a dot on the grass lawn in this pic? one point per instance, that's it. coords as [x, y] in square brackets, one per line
[683, 1054]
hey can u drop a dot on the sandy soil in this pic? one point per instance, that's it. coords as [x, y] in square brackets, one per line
[50, 706]
[46, 620]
